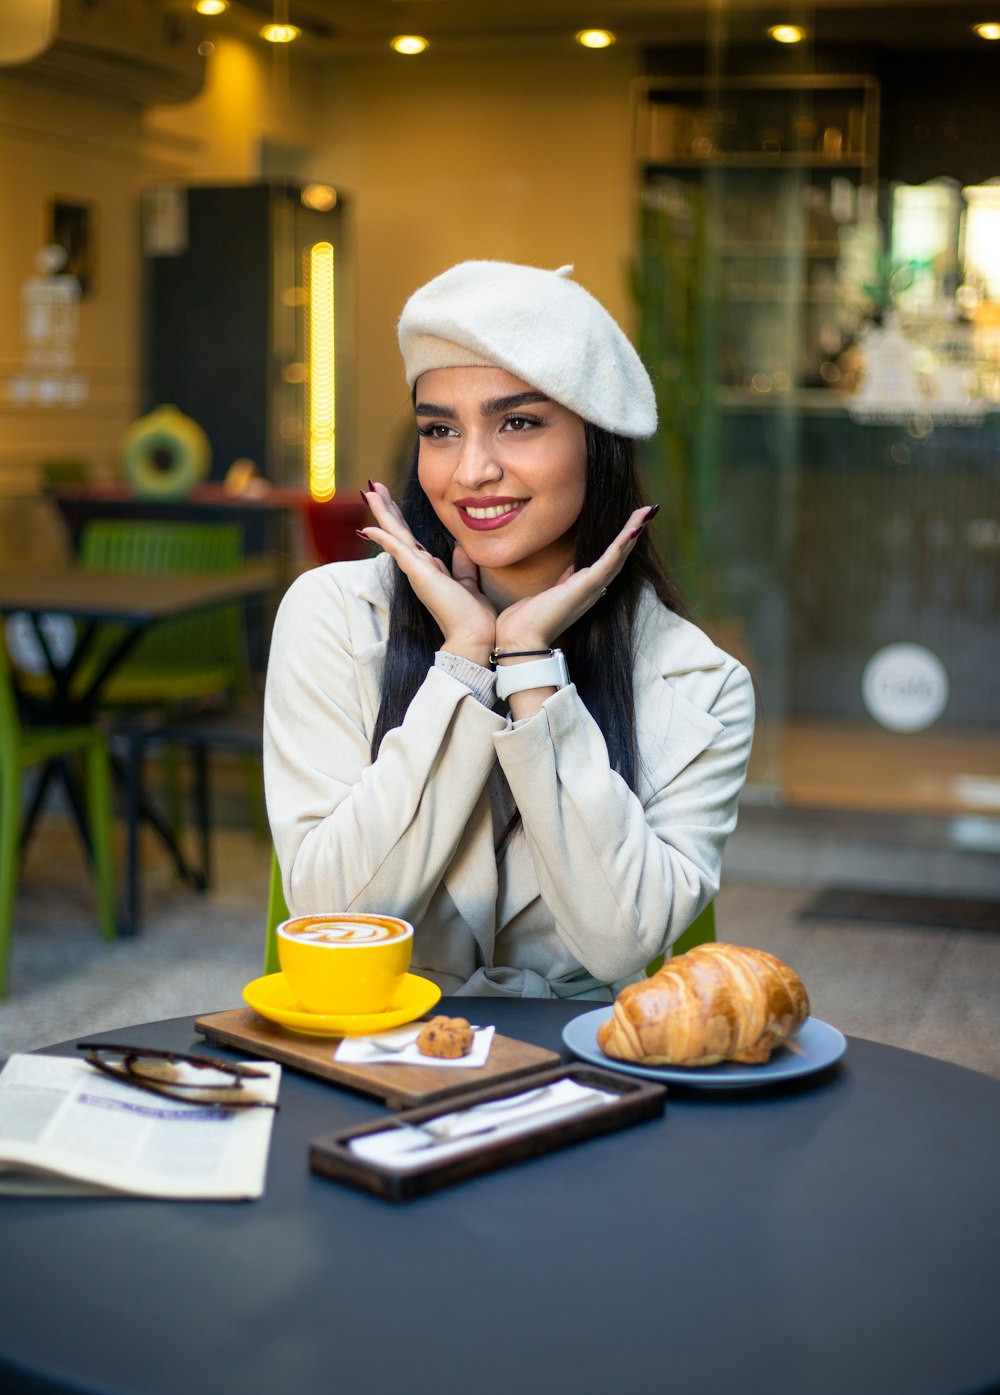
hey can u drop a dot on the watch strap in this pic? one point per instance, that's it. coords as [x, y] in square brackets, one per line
[540, 673]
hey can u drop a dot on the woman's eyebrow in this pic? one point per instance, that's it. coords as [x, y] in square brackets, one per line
[496, 405]
[492, 407]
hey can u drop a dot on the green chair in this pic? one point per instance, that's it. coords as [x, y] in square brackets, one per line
[179, 663]
[56, 473]
[195, 657]
[22, 747]
[277, 911]
[700, 931]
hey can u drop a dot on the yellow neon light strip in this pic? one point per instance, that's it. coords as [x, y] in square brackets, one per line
[322, 374]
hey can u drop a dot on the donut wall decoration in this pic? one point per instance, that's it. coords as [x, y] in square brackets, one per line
[165, 454]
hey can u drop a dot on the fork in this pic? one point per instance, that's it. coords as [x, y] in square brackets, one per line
[442, 1127]
[448, 1128]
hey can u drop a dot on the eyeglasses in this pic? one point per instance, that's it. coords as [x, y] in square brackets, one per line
[201, 1080]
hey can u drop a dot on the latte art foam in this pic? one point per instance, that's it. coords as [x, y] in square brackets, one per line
[348, 932]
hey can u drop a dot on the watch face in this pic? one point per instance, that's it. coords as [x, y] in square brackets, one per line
[22, 641]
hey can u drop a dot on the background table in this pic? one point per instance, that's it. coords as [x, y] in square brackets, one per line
[135, 600]
[840, 1237]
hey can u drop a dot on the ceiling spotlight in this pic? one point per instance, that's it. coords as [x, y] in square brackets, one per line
[409, 43]
[595, 38]
[322, 197]
[211, 7]
[987, 31]
[786, 33]
[280, 33]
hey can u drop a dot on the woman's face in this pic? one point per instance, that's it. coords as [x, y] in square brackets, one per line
[503, 466]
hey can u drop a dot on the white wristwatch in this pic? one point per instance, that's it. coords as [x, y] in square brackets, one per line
[540, 673]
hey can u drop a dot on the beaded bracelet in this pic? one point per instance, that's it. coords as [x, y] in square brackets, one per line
[496, 655]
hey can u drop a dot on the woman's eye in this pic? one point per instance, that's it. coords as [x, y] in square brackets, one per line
[519, 423]
[436, 431]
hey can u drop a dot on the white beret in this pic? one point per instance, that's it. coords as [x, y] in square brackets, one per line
[538, 325]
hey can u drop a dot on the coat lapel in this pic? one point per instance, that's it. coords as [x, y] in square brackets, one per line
[471, 877]
[672, 730]
[370, 628]
[369, 662]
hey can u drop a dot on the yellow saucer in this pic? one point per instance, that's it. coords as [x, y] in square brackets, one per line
[272, 998]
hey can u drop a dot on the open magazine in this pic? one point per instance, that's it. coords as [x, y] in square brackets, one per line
[68, 1130]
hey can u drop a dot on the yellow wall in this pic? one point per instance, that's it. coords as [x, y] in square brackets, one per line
[517, 155]
[101, 151]
[253, 93]
[57, 144]
[523, 156]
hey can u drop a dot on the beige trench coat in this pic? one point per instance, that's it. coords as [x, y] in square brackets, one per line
[598, 881]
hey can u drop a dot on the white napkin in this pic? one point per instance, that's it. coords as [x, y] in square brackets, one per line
[404, 1147]
[366, 1050]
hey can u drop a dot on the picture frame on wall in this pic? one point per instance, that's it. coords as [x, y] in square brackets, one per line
[71, 226]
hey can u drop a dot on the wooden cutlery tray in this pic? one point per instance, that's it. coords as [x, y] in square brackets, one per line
[631, 1101]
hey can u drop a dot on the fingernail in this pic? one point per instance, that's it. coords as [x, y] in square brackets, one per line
[364, 497]
[371, 486]
[652, 512]
[636, 531]
[362, 535]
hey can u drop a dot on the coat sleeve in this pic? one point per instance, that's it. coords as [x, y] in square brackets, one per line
[352, 834]
[624, 876]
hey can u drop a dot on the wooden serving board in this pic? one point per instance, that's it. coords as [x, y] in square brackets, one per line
[401, 1087]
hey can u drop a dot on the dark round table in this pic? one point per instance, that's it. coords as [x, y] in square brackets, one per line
[837, 1236]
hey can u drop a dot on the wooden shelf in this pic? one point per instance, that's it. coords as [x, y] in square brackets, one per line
[769, 170]
[751, 159]
[735, 247]
[818, 122]
[815, 401]
[782, 295]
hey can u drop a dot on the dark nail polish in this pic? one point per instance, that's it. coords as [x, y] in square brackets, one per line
[364, 498]
[636, 531]
[371, 486]
[362, 535]
[652, 512]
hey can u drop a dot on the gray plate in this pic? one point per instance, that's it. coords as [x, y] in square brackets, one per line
[818, 1046]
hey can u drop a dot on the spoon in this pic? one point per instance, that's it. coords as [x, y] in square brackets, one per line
[394, 1046]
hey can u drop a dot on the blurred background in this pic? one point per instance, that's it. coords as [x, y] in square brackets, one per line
[205, 240]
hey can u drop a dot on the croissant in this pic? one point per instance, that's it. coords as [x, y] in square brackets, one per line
[715, 1003]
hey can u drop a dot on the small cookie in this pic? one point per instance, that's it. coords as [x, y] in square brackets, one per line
[447, 1037]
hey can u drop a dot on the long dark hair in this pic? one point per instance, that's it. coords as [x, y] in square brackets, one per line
[599, 647]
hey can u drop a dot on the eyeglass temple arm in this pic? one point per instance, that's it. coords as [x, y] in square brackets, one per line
[202, 1062]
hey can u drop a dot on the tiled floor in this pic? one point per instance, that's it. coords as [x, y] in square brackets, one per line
[928, 990]
[194, 954]
[932, 991]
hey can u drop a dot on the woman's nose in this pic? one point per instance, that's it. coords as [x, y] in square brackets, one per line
[478, 463]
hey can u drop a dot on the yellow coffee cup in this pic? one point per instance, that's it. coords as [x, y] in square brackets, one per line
[343, 963]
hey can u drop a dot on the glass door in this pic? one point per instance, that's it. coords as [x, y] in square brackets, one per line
[823, 331]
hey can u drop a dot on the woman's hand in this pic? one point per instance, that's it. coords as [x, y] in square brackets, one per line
[462, 613]
[537, 621]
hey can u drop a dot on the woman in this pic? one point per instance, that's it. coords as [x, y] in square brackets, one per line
[549, 819]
